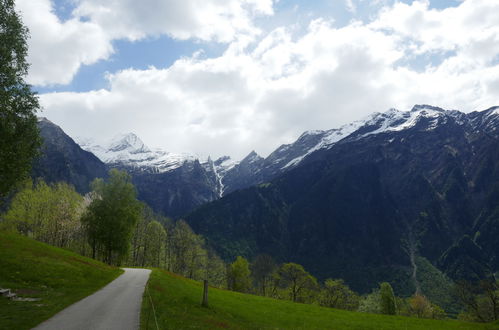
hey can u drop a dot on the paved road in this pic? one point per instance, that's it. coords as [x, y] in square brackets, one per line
[116, 306]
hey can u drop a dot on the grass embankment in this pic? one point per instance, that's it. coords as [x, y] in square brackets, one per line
[37, 270]
[177, 304]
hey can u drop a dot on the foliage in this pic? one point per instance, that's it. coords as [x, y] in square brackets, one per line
[337, 294]
[300, 285]
[19, 136]
[262, 269]
[177, 303]
[436, 286]
[481, 300]
[371, 303]
[387, 297]
[239, 275]
[420, 306]
[37, 270]
[111, 216]
[49, 214]
[187, 254]
[154, 244]
[159, 242]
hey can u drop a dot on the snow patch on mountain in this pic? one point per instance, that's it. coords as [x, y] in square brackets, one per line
[328, 139]
[392, 120]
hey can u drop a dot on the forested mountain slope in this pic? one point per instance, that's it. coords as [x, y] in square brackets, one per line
[362, 208]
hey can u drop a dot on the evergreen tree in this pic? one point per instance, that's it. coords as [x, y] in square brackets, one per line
[19, 136]
[388, 305]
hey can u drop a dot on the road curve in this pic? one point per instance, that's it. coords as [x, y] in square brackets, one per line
[116, 306]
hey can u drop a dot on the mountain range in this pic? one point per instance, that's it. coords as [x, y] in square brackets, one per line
[359, 202]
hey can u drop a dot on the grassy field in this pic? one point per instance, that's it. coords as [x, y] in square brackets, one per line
[57, 276]
[176, 301]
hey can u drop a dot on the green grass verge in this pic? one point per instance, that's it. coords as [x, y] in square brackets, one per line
[57, 276]
[177, 304]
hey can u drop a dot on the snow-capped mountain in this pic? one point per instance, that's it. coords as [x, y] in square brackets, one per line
[128, 150]
[200, 179]
[288, 156]
[390, 121]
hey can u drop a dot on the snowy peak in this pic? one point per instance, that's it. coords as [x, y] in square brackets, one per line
[128, 150]
[129, 142]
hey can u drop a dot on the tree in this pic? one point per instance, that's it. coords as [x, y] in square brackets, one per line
[481, 300]
[371, 303]
[154, 244]
[216, 270]
[297, 281]
[19, 136]
[111, 216]
[388, 305]
[261, 270]
[50, 214]
[187, 254]
[239, 275]
[337, 294]
[421, 307]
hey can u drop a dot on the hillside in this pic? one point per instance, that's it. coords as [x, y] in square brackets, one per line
[177, 305]
[61, 159]
[362, 208]
[55, 276]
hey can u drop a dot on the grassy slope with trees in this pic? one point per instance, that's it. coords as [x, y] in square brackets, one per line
[177, 302]
[37, 270]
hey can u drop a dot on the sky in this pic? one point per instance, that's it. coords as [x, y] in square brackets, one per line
[225, 77]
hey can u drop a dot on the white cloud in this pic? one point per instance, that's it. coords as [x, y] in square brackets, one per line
[182, 19]
[257, 96]
[58, 49]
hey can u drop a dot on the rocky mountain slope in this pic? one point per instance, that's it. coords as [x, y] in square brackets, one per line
[61, 159]
[399, 184]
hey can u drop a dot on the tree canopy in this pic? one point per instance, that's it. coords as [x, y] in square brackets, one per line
[19, 136]
[48, 213]
[239, 277]
[297, 280]
[112, 215]
[388, 305]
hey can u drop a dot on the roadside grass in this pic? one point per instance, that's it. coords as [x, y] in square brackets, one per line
[37, 270]
[177, 305]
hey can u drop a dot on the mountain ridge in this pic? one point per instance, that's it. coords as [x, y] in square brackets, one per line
[367, 203]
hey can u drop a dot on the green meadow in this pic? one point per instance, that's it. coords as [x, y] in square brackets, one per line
[177, 305]
[36, 270]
